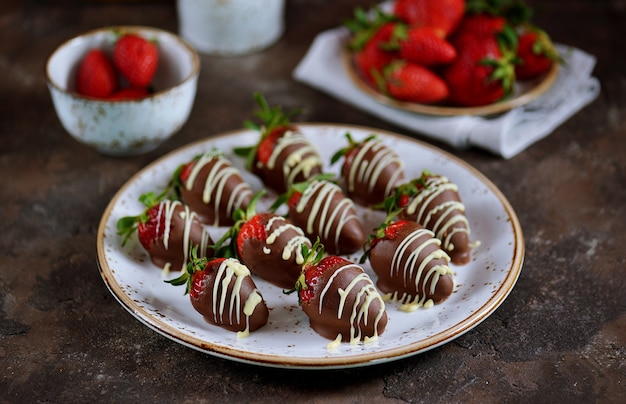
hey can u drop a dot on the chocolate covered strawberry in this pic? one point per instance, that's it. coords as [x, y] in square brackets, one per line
[370, 169]
[323, 211]
[212, 187]
[270, 245]
[340, 299]
[168, 230]
[434, 202]
[222, 290]
[411, 267]
[283, 156]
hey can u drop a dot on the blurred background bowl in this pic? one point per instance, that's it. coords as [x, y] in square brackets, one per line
[128, 127]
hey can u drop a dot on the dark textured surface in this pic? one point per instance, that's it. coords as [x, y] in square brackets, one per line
[559, 337]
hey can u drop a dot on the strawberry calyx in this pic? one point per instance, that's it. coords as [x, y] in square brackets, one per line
[352, 144]
[195, 265]
[128, 225]
[240, 217]
[271, 120]
[504, 66]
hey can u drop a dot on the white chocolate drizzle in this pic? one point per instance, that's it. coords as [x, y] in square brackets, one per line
[293, 245]
[221, 171]
[364, 171]
[302, 160]
[408, 253]
[451, 211]
[322, 212]
[231, 268]
[166, 211]
[359, 310]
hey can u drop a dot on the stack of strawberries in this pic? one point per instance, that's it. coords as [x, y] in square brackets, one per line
[454, 52]
[126, 75]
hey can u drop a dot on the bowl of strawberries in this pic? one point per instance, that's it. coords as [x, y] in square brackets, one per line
[450, 57]
[123, 90]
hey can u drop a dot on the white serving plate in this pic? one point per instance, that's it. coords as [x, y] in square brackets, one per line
[287, 340]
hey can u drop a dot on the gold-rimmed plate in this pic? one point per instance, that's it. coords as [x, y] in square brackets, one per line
[287, 340]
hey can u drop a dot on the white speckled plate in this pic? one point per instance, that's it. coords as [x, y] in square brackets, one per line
[287, 340]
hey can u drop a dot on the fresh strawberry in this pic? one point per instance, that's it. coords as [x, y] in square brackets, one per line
[136, 59]
[536, 53]
[323, 211]
[223, 291]
[371, 59]
[212, 187]
[96, 75]
[370, 169]
[442, 15]
[483, 72]
[168, 230]
[422, 45]
[434, 202]
[270, 245]
[283, 155]
[481, 24]
[414, 83]
[411, 267]
[129, 93]
[340, 299]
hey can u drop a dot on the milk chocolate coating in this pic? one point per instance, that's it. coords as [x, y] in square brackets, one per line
[185, 232]
[436, 217]
[230, 316]
[294, 159]
[362, 313]
[372, 172]
[267, 259]
[398, 270]
[226, 189]
[331, 216]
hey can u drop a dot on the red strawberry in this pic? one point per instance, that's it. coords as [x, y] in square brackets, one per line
[423, 45]
[371, 59]
[537, 54]
[283, 156]
[270, 245]
[136, 59]
[129, 93]
[323, 211]
[212, 187]
[481, 24]
[411, 267]
[222, 290]
[443, 15]
[96, 75]
[482, 73]
[434, 202]
[340, 299]
[370, 169]
[168, 230]
[414, 83]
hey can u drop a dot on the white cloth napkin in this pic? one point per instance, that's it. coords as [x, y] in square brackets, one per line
[506, 134]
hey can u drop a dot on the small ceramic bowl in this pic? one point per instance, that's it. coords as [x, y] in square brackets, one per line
[129, 127]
